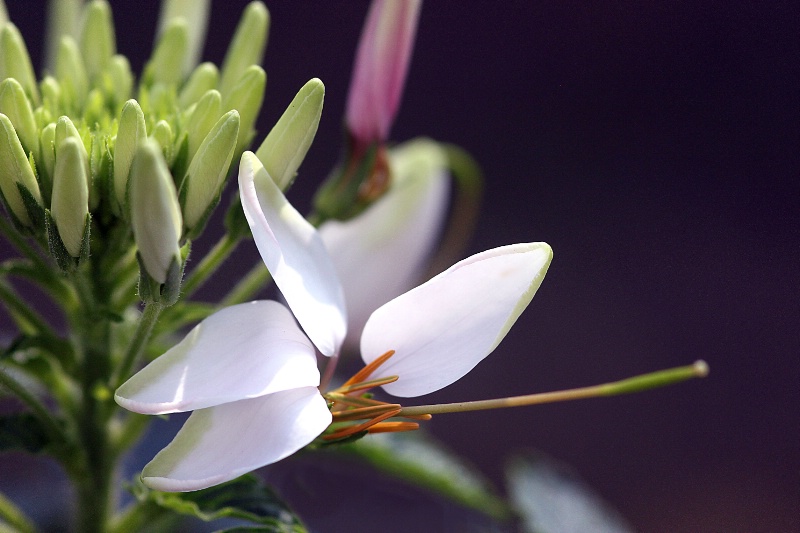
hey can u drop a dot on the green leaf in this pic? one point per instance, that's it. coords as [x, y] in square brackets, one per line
[246, 498]
[551, 499]
[22, 431]
[419, 460]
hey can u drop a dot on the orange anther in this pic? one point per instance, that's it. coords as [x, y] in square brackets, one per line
[367, 371]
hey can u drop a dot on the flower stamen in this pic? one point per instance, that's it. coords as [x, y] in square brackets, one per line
[367, 371]
[352, 430]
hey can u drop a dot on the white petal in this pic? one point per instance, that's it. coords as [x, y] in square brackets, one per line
[243, 351]
[443, 328]
[221, 443]
[295, 256]
[380, 254]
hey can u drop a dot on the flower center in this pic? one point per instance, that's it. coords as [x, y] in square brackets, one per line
[355, 411]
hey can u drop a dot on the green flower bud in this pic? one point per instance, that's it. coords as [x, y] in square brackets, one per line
[289, 140]
[3, 13]
[203, 79]
[246, 97]
[155, 214]
[195, 13]
[51, 100]
[120, 78]
[166, 64]
[47, 163]
[65, 128]
[63, 20]
[15, 61]
[202, 184]
[130, 134]
[70, 203]
[204, 115]
[16, 106]
[71, 73]
[247, 46]
[16, 175]
[162, 134]
[98, 42]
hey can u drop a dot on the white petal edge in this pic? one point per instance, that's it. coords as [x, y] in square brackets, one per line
[443, 328]
[295, 256]
[221, 443]
[243, 351]
[381, 253]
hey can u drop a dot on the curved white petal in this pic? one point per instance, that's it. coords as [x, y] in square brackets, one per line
[380, 253]
[443, 328]
[243, 351]
[295, 256]
[221, 443]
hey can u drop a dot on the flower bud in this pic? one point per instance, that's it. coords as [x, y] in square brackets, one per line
[47, 165]
[17, 182]
[246, 48]
[201, 80]
[166, 63]
[195, 13]
[70, 202]
[121, 78]
[16, 106]
[205, 114]
[162, 134]
[71, 74]
[155, 214]
[98, 42]
[246, 97]
[130, 134]
[63, 20]
[201, 187]
[384, 52]
[286, 146]
[15, 61]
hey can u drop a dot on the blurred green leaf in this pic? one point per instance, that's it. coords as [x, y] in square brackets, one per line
[551, 499]
[245, 498]
[421, 461]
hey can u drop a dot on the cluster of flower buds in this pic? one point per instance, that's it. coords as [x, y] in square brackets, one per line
[87, 150]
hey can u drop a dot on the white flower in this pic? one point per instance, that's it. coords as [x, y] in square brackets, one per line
[250, 374]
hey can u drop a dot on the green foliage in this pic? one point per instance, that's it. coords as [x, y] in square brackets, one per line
[245, 498]
[423, 462]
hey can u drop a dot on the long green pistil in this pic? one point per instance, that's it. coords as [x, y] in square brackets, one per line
[639, 383]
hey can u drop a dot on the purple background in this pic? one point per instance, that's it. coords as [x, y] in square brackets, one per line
[655, 147]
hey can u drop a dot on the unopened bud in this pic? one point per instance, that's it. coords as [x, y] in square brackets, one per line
[286, 146]
[162, 134]
[70, 202]
[201, 187]
[166, 64]
[204, 115]
[98, 42]
[16, 106]
[155, 213]
[195, 13]
[121, 78]
[15, 61]
[246, 48]
[246, 97]
[130, 134]
[17, 182]
[202, 79]
[71, 73]
[47, 163]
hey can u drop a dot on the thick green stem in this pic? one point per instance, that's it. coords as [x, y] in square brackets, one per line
[210, 263]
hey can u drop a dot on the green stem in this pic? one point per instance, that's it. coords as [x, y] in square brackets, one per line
[28, 320]
[144, 329]
[14, 517]
[643, 382]
[254, 281]
[210, 263]
[51, 424]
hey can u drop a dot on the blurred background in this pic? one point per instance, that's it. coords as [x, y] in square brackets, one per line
[655, 147]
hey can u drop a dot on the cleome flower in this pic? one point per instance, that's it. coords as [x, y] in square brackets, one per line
[249, 374]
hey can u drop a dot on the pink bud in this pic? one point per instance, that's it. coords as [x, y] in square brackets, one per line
[384, 52]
